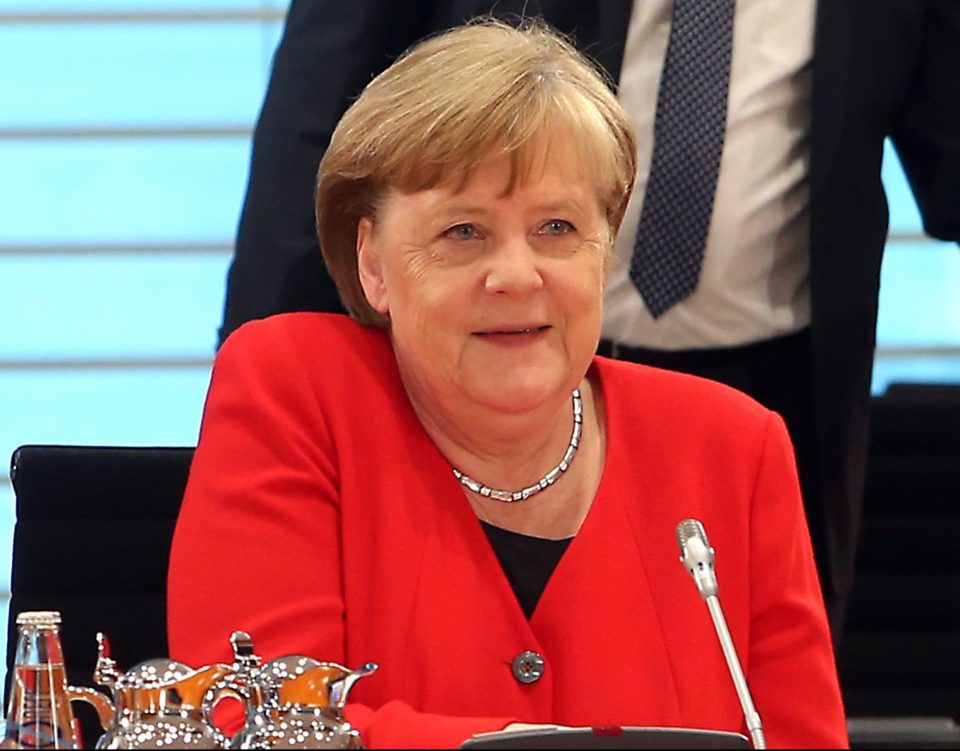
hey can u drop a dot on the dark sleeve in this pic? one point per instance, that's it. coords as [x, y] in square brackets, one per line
[927, 135]
[330, 49]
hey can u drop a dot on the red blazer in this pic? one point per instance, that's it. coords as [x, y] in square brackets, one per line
[321, 518]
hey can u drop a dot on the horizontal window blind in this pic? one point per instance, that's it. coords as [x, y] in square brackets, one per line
[124, 147]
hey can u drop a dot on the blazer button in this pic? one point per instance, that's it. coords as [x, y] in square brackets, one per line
[528, 667]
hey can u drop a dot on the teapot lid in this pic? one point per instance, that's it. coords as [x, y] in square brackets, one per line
[286, 667]
[155, 673]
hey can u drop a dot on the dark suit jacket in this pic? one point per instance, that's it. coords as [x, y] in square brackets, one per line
[881, 68]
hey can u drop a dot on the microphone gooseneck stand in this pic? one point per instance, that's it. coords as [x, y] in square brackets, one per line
[696, 555]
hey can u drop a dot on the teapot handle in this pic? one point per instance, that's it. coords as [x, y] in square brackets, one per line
[104, 707]
[227, 688]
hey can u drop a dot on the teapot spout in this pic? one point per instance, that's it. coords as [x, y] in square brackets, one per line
[341, 688]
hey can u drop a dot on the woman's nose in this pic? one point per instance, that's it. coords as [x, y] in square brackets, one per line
[514, 268]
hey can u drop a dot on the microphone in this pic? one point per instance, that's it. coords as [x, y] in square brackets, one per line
[697, 556]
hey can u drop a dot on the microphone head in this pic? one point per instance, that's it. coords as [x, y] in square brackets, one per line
[689, 528]
[696, 555]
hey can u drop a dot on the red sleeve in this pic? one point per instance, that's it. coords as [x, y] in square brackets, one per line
[791, 660]
[257, 544]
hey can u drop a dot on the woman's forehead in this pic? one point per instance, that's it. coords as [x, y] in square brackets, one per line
[562, 184]
[546, 159]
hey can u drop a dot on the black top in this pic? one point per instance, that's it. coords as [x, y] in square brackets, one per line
[527, 561]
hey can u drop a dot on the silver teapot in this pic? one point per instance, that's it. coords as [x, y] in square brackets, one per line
[293, 701]
[158, 703]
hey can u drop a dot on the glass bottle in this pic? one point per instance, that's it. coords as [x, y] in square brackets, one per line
[39, 714]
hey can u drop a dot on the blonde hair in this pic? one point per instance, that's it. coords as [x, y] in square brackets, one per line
[476, 92]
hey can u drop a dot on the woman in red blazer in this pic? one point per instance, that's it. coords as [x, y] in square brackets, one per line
[453, 486]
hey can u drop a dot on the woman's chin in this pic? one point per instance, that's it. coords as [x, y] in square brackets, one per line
[517, 393]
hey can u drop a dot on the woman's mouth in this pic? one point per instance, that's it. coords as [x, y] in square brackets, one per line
[513, 335]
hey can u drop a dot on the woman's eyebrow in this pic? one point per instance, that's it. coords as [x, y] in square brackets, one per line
[561, 205]
[458, 210]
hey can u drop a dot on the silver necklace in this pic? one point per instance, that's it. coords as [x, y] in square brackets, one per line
[508, 496]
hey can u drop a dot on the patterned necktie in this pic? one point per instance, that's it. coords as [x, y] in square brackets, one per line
[687, 142]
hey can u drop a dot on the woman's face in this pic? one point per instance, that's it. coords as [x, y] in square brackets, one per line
[493, 296]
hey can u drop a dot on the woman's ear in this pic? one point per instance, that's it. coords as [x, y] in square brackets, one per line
[370, 267]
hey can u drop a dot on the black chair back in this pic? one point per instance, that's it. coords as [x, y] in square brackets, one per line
[92, 540]
[899, 655]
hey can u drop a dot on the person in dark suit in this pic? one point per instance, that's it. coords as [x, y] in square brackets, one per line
[845, 75]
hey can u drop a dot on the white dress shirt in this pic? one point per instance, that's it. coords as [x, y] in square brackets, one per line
[754, 283]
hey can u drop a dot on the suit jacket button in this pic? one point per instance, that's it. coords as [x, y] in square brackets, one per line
[528, 667]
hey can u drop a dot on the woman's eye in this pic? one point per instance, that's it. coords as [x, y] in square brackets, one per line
[462, 232]
[556, 227]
